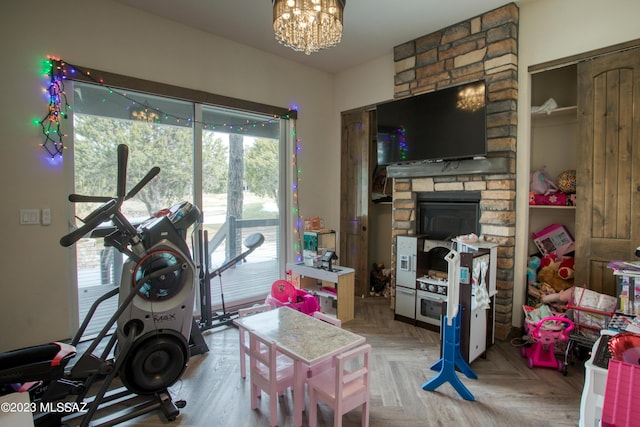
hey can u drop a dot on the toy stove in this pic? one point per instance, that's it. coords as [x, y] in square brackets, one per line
[433, 284]
[431, 293]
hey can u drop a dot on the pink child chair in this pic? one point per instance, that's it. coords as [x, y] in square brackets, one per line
[344, 387]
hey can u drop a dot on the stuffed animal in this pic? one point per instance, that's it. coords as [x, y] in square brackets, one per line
[532, 269]
[565, 269]
[549, 275]
[541, 182]
[549, 259]
[378, 279]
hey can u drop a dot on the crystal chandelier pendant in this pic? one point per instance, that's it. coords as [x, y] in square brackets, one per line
[308, 25]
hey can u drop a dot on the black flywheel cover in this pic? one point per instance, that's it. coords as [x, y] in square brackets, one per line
[154, 363]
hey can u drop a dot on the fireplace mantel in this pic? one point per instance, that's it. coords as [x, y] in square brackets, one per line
[485, 166]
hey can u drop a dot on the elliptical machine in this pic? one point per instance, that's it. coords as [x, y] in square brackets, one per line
[154, 318]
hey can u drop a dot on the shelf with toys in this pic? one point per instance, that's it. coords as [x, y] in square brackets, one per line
[546, 217]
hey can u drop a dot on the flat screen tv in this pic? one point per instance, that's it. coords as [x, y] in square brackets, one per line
[446, 124]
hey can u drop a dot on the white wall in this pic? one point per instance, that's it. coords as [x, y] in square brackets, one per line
[37, 292]
[549, 30]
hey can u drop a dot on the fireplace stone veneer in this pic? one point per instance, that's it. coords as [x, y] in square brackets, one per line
[482, 48]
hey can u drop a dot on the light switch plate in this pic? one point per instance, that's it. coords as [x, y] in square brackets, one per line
[29, 216]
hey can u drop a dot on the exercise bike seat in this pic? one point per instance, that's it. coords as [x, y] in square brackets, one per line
[38, 363]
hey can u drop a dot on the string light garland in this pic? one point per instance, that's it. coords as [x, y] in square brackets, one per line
[402, 142]
[297, 241]
[51, 129]
[59, 70]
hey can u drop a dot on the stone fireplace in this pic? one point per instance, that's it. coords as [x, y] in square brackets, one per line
[481, 48]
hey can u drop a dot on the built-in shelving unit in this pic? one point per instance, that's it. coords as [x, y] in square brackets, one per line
[553, 141]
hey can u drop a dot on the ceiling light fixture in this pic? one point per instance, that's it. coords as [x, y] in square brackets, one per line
[308, 25]
[471, 98]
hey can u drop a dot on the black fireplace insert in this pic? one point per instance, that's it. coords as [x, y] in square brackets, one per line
[446, 215]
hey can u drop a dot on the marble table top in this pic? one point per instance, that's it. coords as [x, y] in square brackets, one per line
[299, 335]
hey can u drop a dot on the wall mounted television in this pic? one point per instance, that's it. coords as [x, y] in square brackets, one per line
[447, 124]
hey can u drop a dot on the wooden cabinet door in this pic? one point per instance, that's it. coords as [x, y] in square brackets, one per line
[608, 171]
[354, 197]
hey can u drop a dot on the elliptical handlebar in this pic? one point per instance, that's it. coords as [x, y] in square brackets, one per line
[144, 181]
[252, 242]
[94, 219]
[123, 159]
[111, 205]
[79, 198]
[139, 186]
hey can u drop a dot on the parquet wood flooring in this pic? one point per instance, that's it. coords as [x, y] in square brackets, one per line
[507, 393]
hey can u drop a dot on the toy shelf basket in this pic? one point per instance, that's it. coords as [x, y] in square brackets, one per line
[545, 333]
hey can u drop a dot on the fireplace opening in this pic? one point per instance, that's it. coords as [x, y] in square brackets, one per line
[446, 215]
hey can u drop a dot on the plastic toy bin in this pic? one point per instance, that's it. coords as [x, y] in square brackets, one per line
[621, 393]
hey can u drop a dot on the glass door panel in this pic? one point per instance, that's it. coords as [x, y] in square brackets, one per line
[240, 182]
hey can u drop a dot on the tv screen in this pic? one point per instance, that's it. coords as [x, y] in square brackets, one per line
[447, 124]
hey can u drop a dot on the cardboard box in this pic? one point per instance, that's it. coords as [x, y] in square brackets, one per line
[554, 238]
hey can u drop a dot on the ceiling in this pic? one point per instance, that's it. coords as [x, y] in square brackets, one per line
[372, 28]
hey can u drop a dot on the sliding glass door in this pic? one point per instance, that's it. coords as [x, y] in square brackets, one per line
[225, 161]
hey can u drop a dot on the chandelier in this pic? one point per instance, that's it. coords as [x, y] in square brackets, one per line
[308, 25]
[471, 98]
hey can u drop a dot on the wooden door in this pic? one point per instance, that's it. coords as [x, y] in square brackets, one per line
[354, 197]
[608, 172]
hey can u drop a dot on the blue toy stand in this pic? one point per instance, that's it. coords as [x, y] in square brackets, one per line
[451, 359]
[451, 356]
